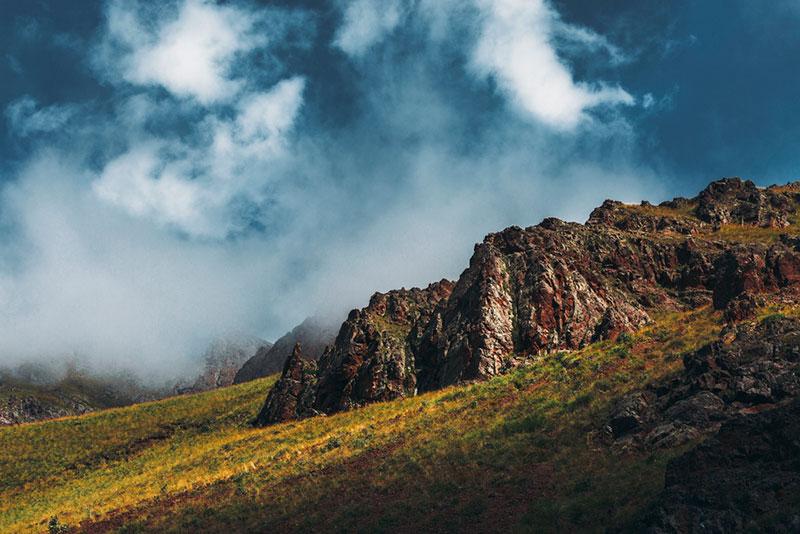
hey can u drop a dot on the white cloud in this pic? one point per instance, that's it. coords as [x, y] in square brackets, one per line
[393, 191]
[515, 43]
[192, 188]
[190, 55]
[26, 118]
[514, 48]
[365, 23]
[265, 118]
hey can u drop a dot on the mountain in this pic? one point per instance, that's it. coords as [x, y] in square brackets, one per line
[28, 395]
[553, 287]
[222, 361]
[637, 373]
[314, 333]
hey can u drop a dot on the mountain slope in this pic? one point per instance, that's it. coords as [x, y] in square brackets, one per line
[508, 453]
[25, 399]
[637, 373]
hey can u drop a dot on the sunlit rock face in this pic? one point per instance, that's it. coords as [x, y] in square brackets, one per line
[560, 286]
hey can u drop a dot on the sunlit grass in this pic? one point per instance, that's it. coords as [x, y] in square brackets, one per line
[515, 451]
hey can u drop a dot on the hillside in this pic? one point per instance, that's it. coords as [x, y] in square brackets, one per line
[640, 372]
[510, 452]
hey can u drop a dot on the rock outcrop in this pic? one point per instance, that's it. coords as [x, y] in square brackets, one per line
[292, 397]
[746, 478]
[754, 366]
[314, 334]
[736, 201]
[559, 286]
[374, 356]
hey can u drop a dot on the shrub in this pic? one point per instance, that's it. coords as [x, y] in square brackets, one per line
[54, 526]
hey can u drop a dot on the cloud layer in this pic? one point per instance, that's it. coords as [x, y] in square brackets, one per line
[252, 168]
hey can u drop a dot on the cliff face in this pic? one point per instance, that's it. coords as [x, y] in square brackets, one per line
[373, 357]
[746, 478]
[559, 286]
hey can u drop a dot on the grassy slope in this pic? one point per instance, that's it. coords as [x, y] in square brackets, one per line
[512, 453]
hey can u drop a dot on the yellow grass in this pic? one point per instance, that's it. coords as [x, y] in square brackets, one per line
[515, 452]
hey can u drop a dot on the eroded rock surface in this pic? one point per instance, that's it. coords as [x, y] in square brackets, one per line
[745, 478]
[292, 397]
[559, 286]
[374, 356]
[736, 201]
[754, 366]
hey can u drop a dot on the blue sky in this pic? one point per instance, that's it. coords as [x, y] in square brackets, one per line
[176, 170]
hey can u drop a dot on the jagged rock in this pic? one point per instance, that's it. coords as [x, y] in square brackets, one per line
[742, 307]
[552, 287]
[624, 217]
[745, 478]
[736, 201]
[314, 334]
[753, 366]
[374, 356]
[559, 286]
[292, 397]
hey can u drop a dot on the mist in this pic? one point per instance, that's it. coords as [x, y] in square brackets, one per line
[294, 162]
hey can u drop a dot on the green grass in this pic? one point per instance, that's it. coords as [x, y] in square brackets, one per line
[516, 453]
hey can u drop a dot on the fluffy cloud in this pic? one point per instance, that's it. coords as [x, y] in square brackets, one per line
[513, 42]
[189, 55]
[514, 47]
[193, 187]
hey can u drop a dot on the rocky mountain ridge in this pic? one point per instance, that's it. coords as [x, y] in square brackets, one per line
[557, 286]
[560, 286]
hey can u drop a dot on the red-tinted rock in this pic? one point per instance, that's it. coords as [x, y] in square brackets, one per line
[292, 396]
[559, 286]
[374, 355]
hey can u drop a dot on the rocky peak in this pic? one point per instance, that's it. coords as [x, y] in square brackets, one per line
[374, 356]
[737, 201]
[293, 395]
[560, 286]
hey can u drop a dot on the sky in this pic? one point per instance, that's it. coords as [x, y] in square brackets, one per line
[177, 170]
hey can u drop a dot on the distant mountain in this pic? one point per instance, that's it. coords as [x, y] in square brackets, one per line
[27, 397]
[223, 359]
[314, 334]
